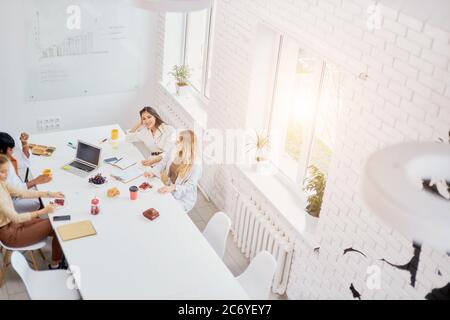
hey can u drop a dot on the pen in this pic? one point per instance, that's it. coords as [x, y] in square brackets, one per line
[104, 140]
[70, 144]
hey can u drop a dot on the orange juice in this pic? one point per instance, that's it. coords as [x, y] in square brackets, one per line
[47, 172]
[115, 134]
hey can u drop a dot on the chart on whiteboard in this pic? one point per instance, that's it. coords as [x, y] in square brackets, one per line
[78, 48]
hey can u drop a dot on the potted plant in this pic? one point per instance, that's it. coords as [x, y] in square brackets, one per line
[314, 185]
[260, 146]
[181, 74]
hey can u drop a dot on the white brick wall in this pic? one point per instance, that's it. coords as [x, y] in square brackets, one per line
[407, 97]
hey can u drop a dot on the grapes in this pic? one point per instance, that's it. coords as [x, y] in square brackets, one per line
[98, 179]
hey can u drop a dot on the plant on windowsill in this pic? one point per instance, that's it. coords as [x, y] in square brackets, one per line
[181, 74]
[315, 185]
[260, 145]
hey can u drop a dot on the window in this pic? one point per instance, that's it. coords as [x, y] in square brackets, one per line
[193, 47]
[303, 108]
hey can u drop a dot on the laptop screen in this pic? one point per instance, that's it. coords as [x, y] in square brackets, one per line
[88, 153]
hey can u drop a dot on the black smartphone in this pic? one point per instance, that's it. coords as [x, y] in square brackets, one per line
[111, 160]
[61, 218]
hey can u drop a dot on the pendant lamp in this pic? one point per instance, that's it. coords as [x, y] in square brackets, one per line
[392, 188]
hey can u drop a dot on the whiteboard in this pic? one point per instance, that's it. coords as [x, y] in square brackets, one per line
[80, 47]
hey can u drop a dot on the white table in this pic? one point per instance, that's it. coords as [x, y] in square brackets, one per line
[131, 257]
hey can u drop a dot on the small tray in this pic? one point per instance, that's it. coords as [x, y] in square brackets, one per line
[40, 150]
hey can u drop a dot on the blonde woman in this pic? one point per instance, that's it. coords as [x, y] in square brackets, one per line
[180, 170]
[157, 136]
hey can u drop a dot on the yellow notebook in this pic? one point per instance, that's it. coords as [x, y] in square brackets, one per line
[76, 230]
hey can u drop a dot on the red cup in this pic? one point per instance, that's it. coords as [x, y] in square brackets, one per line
[134, 193]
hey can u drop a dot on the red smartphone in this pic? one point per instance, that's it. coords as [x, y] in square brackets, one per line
[59, 202]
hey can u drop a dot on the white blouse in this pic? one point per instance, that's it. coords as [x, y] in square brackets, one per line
[186, 188]
[163, 140]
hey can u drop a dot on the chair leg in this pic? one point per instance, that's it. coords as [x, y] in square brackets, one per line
[6, 257]
[35, 267]
[42, 255]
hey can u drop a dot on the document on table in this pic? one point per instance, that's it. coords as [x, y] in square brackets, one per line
[128, 175]
[124, 163]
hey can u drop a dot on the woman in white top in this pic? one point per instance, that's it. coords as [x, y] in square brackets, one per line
[157, 136]
[180, 170]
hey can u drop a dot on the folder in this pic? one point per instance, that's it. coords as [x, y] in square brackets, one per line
[76, 230]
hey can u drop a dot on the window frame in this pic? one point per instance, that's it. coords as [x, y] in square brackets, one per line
[207, 53]
[304, 162]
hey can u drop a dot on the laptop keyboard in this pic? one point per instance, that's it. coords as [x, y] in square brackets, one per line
[81, 166]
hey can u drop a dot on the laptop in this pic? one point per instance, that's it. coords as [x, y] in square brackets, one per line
[86, 161]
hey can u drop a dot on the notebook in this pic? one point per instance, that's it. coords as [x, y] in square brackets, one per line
[76, 230]
[128, 175]
[123, 163]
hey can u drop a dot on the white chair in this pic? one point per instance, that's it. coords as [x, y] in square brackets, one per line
[44, 285]
[216, 232]
[6, 251]
[257, 278]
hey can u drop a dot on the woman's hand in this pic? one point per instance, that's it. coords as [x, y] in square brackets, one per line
[24, 138]
[167, 189]
[57, 195]
[51, 208]
[42, 179]
[147, 163]
[149, 175]
[137, 126]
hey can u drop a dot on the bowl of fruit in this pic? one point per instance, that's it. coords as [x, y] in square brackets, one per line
[98, 181]
[145, 187]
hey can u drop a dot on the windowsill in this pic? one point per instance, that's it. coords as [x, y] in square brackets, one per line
[191, 103]
[286, 201]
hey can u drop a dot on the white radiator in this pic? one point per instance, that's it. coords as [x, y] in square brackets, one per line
[254, 231]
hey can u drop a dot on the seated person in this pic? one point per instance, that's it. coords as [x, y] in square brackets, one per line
[157, 136]
[20, 230]
[16, 161]
[180, 170]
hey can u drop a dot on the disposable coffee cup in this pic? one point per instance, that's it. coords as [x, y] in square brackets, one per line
[133, 193]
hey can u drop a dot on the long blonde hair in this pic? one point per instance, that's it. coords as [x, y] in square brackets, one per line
[185, 157]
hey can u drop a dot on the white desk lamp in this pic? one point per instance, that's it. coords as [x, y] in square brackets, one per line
[392, 189]
[171, 5]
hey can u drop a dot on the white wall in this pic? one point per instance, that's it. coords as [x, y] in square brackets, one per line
[17, 114]
[407, 97]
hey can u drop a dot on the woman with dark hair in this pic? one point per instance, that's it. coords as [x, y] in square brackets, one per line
[20, 230]
[19, 159]
[157, 136]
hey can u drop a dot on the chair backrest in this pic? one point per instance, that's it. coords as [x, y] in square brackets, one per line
[258, 277]
[216, 232]
[43, 285]
[21, 266]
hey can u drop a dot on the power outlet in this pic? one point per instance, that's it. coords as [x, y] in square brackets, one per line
[49, 123]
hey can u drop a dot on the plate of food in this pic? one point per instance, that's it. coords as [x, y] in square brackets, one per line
[145, 187]
[98, 181]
